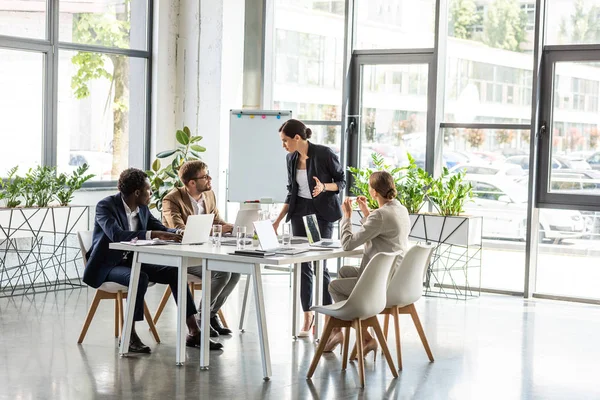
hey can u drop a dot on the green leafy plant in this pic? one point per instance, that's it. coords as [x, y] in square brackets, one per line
[360, 177]
[164, 179]
[67, 185]
[449, 194]
[412, 183]
[40, 186]
[11, 188]
[413, 187]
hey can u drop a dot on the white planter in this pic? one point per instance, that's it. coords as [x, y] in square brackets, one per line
[459, 230]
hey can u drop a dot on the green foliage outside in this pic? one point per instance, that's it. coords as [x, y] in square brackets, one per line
[504, 25]
[108, 30]
[463, 19]
[40, 186]
[164, 179]
[583, 26]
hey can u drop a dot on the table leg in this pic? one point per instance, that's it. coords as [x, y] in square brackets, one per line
[262, 322]
[295, 297]
[318, 297]
[244, 304]
[182, 287]
[206, 283]
[136, 266]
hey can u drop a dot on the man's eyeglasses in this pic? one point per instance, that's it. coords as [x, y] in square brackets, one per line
[207, 176]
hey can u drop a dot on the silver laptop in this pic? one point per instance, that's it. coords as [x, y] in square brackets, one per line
[197, 229]
[243, 218]
[314, 234]
[269, 242]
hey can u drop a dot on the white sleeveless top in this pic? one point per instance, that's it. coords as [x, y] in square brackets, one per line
[302, 180]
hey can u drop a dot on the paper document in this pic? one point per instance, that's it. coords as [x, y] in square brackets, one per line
[152, 242]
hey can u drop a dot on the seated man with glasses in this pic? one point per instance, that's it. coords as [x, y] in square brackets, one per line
[196, 197]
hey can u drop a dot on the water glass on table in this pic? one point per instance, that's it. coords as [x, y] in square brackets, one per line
[286, 235]
[240, 237]
[216, 235]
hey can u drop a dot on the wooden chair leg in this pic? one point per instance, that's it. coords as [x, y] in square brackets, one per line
[90, 316]
[116, 318]
[353, 352]
[384, 346]
[121, 316]
[162, 304]
[148, 317]
[417, 321]
[386, 324]
[223, 320]
[345, 348]
[361, 354]
[326, 333]
[397, 329]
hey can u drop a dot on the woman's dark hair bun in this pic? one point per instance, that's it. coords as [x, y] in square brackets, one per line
[391, 194]
[308, 133]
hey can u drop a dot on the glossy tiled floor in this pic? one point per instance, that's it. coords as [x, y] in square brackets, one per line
[495, 347]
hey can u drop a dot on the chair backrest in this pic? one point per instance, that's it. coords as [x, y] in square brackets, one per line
[368, 297]
[85, 242]
[406, 284]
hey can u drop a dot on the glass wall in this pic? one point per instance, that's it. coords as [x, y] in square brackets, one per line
[102, 95]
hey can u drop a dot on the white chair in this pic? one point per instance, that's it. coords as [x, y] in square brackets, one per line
[367, 300]
[405, 288]
[108, 291]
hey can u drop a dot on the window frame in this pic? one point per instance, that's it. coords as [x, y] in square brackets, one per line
[50, 48]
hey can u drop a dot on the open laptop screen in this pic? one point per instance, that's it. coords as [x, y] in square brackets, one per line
[312, 228]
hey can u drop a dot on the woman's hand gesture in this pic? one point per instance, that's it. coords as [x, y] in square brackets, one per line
[347, 207]
[319, 187]
[362, 204]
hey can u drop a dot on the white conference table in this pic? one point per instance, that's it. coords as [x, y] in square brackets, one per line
[217, 259]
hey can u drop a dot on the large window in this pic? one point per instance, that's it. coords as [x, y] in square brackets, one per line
[83, 94]
[573, 22]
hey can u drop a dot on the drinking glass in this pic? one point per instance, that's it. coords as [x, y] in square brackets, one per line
[240, 236]
[216, 235]
[286, 237]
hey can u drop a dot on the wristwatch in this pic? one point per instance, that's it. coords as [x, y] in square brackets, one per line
[324, 188]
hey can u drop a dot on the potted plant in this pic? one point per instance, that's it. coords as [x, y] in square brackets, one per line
[10, 189]
[67, 185]
[164, 179]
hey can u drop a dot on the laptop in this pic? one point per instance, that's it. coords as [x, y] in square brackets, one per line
[269, 242]
[314, 234]
[243, 218]
[197, 229]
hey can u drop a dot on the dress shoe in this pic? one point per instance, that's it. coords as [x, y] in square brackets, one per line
[194, 341]
[217, 325]
[136, 346]
[333, 342]
[306, 333]
[213, 331]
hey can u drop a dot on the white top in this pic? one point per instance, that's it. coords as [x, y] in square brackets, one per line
[133, 219]
[302, 180]
[198, 206]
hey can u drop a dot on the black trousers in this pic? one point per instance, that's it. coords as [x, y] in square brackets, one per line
[149, 273]
[305, 207]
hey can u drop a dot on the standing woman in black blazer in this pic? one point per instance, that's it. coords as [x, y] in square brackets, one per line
[315, 178]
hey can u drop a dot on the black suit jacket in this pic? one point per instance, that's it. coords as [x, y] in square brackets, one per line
[111, 226]
[324, 164]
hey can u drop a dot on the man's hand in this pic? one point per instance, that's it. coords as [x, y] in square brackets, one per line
[347, 207]
[166, 236]
[227, 228]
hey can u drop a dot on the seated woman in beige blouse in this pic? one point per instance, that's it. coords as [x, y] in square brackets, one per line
[385, 229]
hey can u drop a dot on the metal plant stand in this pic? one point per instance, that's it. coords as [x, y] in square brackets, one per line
[39, 251]
[455, 267]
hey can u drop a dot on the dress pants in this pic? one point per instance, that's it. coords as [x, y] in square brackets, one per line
[305, 207]
[149, 273]
[341, 288]
[221, 286]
